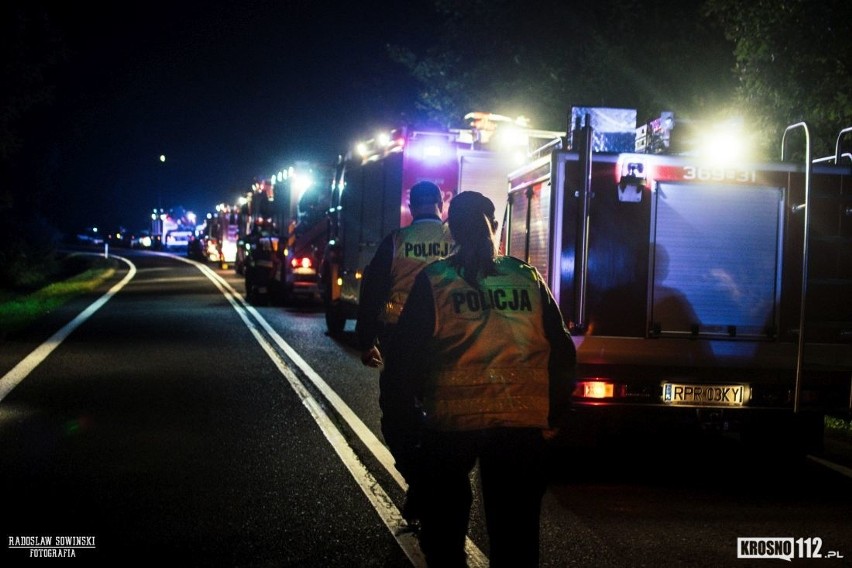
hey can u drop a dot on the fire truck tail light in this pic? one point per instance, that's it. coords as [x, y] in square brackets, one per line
[594, 389]
[304, 262]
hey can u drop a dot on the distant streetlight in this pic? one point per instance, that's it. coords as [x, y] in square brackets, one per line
[160, 181]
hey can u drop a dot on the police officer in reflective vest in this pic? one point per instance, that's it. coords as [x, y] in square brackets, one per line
[384, 289]
[482, 344]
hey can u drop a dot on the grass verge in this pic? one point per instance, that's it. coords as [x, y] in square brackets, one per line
[839, 426]
[18, 310]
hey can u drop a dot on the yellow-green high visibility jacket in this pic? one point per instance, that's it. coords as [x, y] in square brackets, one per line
[414, 246]
[487, 360]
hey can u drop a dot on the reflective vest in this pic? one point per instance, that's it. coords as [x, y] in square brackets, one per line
[491, 353]
[422, 242]
[264, 250]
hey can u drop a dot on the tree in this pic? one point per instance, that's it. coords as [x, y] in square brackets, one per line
[793, 61]
[31, 50]
[772, 62]
[538, 58]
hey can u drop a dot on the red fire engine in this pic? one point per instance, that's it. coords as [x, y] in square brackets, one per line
[283, 234]
[701, 293]
[370, 192]
[221, 235]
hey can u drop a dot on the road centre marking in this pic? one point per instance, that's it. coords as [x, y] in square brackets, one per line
[381, 502]
[26, 366]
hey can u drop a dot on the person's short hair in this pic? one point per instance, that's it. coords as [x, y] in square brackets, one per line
[425, 193]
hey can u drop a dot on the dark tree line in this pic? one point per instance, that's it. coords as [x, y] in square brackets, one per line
[32, 51]
[774, 62]
[793, 63]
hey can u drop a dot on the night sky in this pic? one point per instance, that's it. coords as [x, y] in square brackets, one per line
[226, 91]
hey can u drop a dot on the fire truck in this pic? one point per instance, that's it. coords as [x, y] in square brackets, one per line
[173, 229]
[700, 293]
[283, 232]
[221, 235]
[369, 194]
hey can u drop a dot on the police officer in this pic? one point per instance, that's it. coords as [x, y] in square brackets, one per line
[384, 290]
[482, 344]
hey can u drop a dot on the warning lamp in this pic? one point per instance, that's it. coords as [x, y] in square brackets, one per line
[724, 143]
[594, 389]
[433, 151]
[633, 184]
[304, 262]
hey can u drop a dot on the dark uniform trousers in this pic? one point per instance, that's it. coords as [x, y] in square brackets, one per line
[512, 472]
[402, 420]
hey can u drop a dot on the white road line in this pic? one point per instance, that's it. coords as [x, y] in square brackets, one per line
[383, 505]
[843, 470]
[20, 371]
[381, 502]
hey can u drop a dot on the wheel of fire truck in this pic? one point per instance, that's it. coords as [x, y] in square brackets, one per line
[253, 295]
[282, 294]
[335, 321]
[249, 289]
[279, 293]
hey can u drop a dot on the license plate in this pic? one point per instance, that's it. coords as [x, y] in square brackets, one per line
[706, 395]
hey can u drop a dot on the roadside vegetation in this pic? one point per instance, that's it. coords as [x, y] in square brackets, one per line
[76, 274]
[839, 426]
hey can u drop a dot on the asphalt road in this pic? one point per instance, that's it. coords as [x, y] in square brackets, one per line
[179, 425]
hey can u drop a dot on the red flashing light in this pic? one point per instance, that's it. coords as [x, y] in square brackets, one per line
[304, 262]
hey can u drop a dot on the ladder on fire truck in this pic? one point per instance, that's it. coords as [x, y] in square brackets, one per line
[806, 208]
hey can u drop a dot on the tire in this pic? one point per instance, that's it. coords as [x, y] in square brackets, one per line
[253, 297]
[250, 291]
[284, 296]
[335, 321]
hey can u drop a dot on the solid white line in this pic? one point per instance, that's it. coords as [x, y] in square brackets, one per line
[366, 435]
[381, 502]
[832, 466]
[20, 371]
